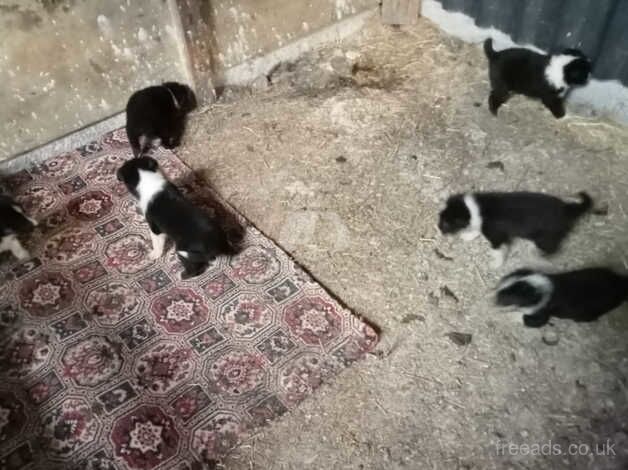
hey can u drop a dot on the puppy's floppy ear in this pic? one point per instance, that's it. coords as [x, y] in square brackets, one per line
[151, 164]
[454, 198]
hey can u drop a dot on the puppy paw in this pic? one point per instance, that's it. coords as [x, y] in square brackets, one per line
[559, 114]
[154, 255]
[534, 321]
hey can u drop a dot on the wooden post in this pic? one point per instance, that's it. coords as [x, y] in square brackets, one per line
[196, 23]
[400, 11]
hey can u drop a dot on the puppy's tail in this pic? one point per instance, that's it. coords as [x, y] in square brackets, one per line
[576, 209]
[524, 288]
[488, 48]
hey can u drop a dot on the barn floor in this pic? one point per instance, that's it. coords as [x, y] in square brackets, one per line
[348, 173]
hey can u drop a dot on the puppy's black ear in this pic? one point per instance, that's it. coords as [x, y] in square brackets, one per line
[151, 164]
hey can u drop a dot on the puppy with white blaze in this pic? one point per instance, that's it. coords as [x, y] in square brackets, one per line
[582, 295]
[13, 222]
[540, 76]
[157, 114]
[198, 239]
[502, 217]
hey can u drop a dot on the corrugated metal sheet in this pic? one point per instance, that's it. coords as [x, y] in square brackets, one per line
[598, 27]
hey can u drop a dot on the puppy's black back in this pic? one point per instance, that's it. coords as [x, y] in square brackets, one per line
[586, 294]
[542, 218]
[188, 226]
[517, 70]
[583, 295]
[147, 108]
[158, 112]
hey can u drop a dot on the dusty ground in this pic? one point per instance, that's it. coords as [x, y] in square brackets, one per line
[348, 172]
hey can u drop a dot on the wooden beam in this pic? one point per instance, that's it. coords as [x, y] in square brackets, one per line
[400, 11]
[196, 21]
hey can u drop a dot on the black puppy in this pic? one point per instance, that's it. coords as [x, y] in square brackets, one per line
[545, 77]
[197, 238]
[158, 112]
[502, 217]
[13, 222]
[582, 295]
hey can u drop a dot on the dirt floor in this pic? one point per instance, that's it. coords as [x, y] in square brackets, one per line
[345, 159]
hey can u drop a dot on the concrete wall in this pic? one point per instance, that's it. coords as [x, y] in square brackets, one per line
[67, 64]
[246, 29]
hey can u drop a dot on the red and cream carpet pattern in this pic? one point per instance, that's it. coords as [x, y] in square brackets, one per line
[109, 361]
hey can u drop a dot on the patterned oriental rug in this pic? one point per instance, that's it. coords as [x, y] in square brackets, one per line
[109, 361]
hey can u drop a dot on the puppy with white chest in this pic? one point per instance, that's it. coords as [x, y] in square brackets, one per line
[502, 217]
[13, 222]
[197, 238]
[540, 76]
[583, 295]
[158, 113]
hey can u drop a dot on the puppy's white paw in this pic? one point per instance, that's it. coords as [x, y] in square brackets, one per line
[154, 255]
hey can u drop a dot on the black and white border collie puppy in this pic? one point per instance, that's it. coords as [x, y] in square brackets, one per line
[197, 238]
[582, 295]
[545, 77]
[13, 222]
[156, 115]
[501, 217]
